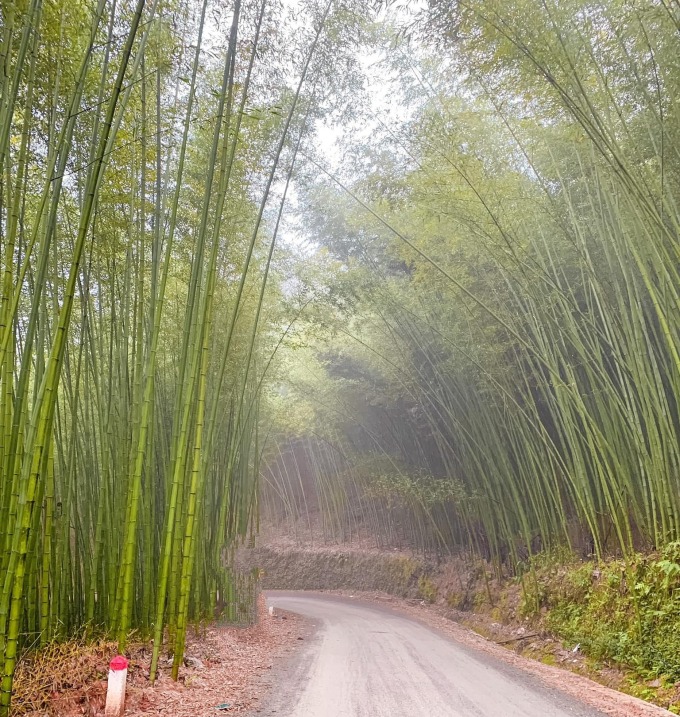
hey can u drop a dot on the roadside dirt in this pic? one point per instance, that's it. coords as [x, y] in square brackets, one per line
[232, 672]
[228, 667]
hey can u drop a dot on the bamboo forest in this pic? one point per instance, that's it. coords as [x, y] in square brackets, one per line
[407, 269]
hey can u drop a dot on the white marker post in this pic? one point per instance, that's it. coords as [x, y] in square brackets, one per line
[115, 693]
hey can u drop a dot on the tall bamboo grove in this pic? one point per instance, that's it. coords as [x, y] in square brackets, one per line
[503, 372]
[131, 330]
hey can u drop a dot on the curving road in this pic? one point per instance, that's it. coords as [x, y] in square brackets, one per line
[364, 661]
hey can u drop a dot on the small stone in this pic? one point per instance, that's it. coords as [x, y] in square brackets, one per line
[194, 662]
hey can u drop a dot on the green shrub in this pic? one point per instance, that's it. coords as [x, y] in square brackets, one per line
[624, 613]
[455, 600]
[427, 589]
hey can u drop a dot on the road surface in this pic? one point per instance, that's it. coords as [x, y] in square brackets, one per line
[364, 661]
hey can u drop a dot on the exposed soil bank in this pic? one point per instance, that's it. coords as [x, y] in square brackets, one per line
[337, 569]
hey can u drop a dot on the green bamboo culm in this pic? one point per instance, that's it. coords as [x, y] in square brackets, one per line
[501, 376]
[120, 440]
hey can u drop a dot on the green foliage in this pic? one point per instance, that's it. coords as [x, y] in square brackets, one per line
[419, 490]
[499, 294]
[408, 567]
[455, 600]
[626, 613]
[427, 589]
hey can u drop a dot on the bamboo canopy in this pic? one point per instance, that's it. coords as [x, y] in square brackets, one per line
[497, 368]
[470, 343]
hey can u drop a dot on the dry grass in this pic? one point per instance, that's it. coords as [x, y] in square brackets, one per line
[68, 679]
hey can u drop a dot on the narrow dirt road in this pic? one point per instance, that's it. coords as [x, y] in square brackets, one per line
[364, 661]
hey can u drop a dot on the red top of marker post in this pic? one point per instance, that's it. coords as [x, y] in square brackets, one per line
[118, 663]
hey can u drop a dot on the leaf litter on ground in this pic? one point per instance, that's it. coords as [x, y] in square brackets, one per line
[226, 667]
